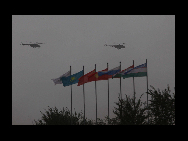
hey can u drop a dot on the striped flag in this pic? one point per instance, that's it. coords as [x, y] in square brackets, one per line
[96, 77]
[58, 80]
[119, 74]
[110, 72]
[138, 71]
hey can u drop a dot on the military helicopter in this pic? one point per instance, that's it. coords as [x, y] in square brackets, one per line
[116, 46]
[34, 45]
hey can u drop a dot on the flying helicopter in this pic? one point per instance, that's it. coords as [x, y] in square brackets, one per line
[116, 46]
[34, 45]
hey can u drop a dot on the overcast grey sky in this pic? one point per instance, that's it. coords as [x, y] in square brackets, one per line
[77, 40]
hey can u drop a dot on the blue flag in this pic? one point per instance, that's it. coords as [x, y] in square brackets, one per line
[72, 79]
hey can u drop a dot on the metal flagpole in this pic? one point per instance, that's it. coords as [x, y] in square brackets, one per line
[120, 82]
[147, 86]
[71, 98]
[108, 97]
[84, 97]
[121, 97]
[134, 88]
[96, 95]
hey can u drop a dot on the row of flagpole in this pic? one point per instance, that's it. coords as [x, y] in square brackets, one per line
[108, 93]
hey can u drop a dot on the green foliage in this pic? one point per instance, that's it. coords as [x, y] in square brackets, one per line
[63, 117]
[162, 107]
[128, 111]
[54, 117]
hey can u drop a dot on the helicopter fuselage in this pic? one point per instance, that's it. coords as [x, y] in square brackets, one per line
[33, 45]
[116, 46]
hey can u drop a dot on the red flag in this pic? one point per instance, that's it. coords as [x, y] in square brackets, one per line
[84, 79]
[95, 77]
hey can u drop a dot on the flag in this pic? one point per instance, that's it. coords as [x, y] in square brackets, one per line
[110, 72]
[138, 71]
[84, 79]
[96, 77]
[119, 74]
[58, 80]
[72, 79]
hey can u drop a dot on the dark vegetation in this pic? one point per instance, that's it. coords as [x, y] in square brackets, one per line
[128, 111]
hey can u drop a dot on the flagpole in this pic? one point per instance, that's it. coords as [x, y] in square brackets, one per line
[96, 95]
[121, 97]
[108, 97]
[84, 97]
[120, 82]
[71, 98]
[134, 87]
[147, 86]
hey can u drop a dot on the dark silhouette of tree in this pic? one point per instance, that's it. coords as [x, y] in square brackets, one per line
[162, 107]
[129, 112]
[63, 117]
[53, 117]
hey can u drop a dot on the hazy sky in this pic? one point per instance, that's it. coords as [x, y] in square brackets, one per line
[77, 40]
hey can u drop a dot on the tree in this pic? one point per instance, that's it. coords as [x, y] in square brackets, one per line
[162, 107]
[63, 117]
[129, 112]
[54, 117]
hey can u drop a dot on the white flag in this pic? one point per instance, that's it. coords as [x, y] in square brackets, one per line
[58, 80]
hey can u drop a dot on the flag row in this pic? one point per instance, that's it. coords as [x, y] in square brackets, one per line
[68, 79]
